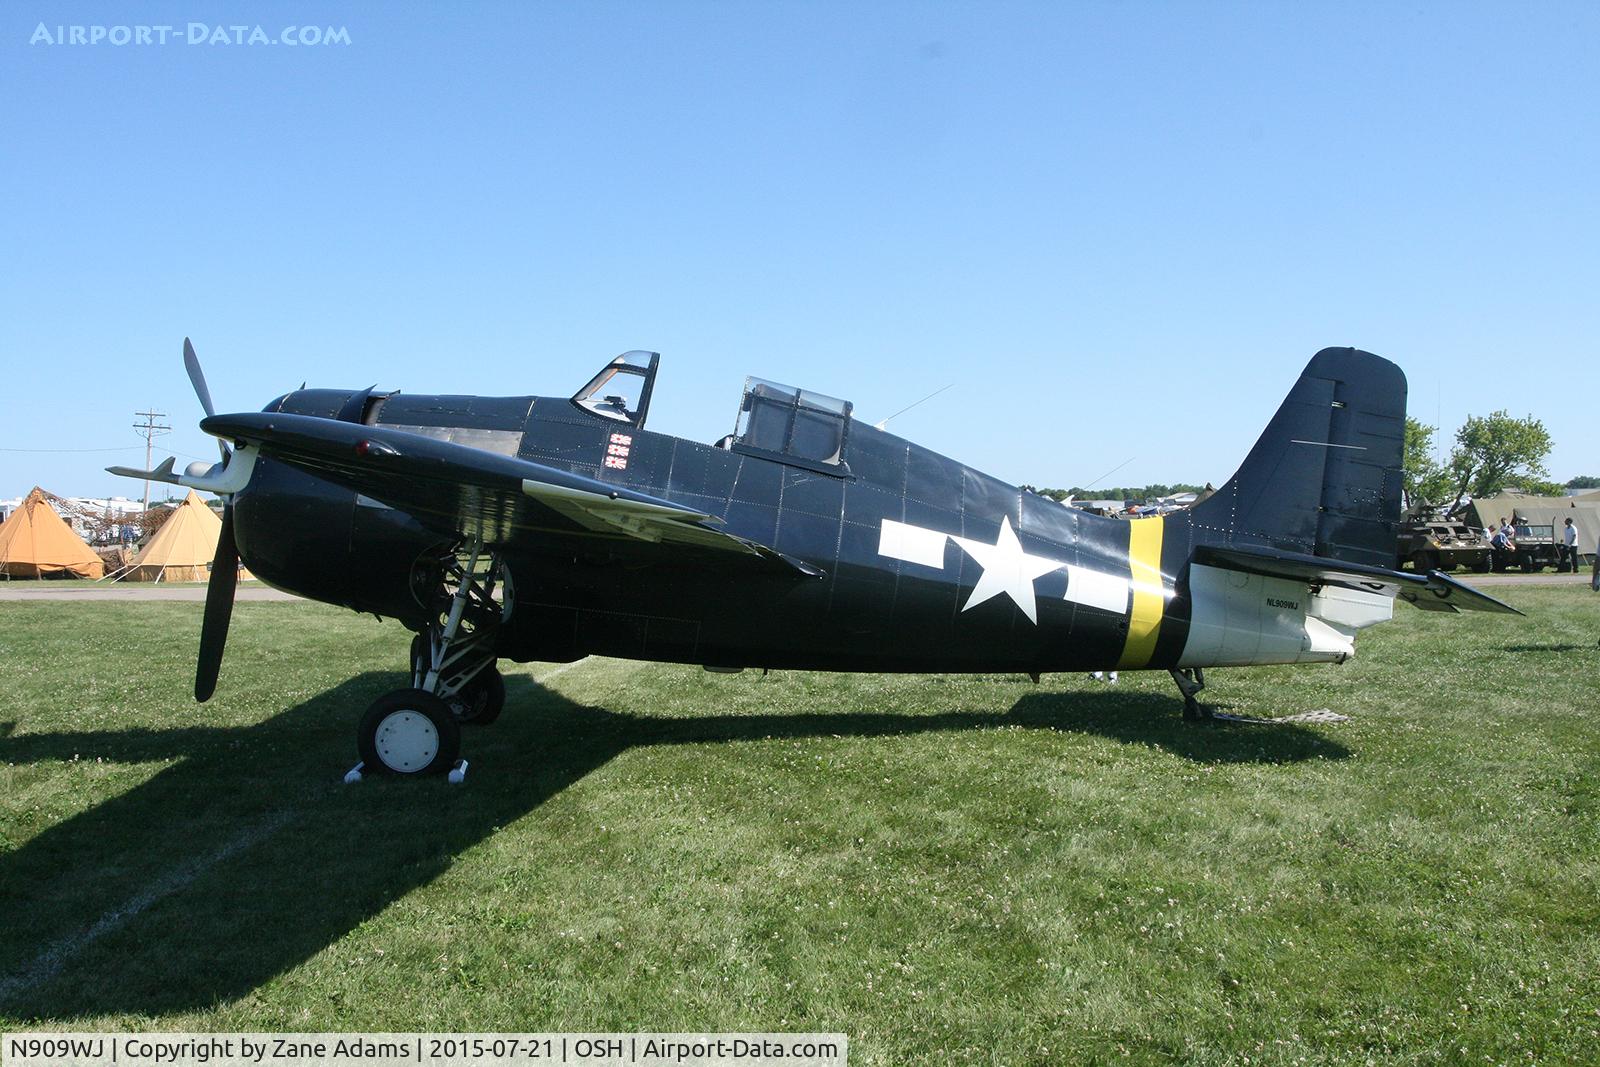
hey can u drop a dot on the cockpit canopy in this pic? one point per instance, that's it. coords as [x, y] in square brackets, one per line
[779, 422]
[793, 423]
[621, 391]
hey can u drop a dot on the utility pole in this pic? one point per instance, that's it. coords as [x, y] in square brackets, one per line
[150, 429]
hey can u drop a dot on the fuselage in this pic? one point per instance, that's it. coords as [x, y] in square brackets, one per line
[828, 544]
[919, 554]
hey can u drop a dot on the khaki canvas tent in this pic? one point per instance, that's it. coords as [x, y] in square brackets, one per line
[36, 543]
[181, 551]
[1583, 510]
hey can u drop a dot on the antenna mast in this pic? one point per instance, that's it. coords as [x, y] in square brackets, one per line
[908, 407]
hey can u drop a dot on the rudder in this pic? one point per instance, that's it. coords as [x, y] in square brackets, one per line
[1324, 478]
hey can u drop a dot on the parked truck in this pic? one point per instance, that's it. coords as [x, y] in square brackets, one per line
[1534, 548]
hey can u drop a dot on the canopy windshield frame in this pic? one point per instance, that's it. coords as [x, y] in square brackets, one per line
[621, 391]
[798, 426]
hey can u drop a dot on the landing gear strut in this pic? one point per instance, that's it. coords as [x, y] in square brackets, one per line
[476, 702]
[1190, 681]
[454, 681]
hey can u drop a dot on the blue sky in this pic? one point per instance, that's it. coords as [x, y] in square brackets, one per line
[1119, 229]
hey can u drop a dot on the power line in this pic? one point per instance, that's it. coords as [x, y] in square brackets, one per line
[119, 448]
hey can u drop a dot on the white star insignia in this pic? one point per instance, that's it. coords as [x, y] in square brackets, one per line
[1006, 569]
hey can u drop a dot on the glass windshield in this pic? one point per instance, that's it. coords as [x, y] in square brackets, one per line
[621, 391]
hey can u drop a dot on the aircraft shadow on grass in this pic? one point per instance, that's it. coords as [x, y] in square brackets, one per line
[246, 857]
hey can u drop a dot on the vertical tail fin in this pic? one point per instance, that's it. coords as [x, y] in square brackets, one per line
[1324, 478]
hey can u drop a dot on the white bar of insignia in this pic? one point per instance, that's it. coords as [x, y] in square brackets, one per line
[1097, 589]
[899, 540]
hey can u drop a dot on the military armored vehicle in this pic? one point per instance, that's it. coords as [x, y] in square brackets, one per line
[1430, 540]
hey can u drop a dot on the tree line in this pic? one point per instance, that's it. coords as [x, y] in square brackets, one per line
[1491, 453]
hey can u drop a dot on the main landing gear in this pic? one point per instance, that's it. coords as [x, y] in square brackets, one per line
[1190, 681]
[454, 681]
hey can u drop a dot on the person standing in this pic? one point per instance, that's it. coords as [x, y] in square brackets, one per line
[1569, 535]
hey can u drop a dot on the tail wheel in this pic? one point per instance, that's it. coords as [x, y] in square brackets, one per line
[409, 732]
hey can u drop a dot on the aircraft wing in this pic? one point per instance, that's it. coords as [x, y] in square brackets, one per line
[462, 490]
[1434, 591]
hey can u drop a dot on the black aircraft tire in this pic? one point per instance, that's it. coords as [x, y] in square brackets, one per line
[481, 700]
[409, 732]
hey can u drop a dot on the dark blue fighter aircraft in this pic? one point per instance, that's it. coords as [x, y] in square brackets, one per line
[551, 528]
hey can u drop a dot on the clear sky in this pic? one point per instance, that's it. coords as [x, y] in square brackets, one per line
[1119, 229]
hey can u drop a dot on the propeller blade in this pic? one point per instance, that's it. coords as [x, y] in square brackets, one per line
[219, 609]
[197, 378]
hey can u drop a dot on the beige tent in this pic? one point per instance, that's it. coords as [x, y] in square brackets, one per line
[1583, 510]
[36, 543]
[182, 550]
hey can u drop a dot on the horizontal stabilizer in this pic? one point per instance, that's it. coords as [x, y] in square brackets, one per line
[162, 473]
[1444, 593]
[1434, 591]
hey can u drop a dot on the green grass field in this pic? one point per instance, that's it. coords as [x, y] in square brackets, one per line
[949, 870]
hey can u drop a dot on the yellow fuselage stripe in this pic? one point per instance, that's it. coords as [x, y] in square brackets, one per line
[1149, 598]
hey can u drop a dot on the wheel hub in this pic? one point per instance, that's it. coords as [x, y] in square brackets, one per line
[406, 741]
